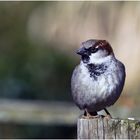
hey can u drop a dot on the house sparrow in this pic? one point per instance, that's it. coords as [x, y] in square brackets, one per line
[98, 80]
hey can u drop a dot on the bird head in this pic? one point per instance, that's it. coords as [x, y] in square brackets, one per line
[94, 51]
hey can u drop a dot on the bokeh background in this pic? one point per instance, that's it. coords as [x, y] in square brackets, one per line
[37, 55]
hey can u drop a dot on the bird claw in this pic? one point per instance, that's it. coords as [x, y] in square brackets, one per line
[90, 117]
[108, 117]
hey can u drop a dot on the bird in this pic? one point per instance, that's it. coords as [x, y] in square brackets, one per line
[98, 80]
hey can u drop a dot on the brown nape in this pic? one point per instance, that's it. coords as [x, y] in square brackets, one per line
[104, 45]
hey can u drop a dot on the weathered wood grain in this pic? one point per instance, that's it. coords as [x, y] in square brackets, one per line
[103, 128]
[93, 124]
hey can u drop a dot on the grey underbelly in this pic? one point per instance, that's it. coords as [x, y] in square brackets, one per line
[95, 96]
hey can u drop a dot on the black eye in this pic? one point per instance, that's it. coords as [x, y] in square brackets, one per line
[94, 49]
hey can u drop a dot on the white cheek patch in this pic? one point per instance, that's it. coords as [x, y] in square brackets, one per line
[98, 57]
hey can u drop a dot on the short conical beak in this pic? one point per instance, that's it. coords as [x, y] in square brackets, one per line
[81, 51]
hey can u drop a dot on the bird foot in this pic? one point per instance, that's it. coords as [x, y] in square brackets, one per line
[90, 117]
[108, 117]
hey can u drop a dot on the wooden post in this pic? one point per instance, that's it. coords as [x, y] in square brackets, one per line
[102, 128]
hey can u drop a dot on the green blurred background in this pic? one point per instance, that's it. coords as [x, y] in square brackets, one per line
[37, 55]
